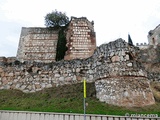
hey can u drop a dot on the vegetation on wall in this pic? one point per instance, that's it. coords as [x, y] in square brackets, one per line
[61, 45]
[56, 19]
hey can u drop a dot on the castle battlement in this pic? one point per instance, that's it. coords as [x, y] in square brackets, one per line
[142, 45]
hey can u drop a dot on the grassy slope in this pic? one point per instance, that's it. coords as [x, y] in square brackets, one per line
[68, 98]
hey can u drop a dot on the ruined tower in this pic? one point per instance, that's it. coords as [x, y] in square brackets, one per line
[37, 44]
[154, 36]
[81, 40]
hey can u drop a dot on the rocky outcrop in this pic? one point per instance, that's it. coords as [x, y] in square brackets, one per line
[114, 67]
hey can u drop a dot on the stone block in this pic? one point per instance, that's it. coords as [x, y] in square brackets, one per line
[1, 69]
[78, 70]
[48, 85]
[10, 74]
[57, 75]
[115, 59]
[79, 78]
[129, 64]
[127, 57]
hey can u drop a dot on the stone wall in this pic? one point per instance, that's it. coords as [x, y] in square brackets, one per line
[114, 67]
[125, 82]
[154, 36]
[150, 58]
[124, 91]
[142, 45]
[37, 44]
[81, 41]
[8, 60]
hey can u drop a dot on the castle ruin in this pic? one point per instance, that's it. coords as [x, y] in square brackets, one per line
[81, 40]
[114, 68]
[121, 72]
[153, 39]
[39, 44]
[154, 36]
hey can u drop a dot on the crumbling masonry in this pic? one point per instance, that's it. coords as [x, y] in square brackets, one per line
[121, 73]
[119, 77]
[39, 44]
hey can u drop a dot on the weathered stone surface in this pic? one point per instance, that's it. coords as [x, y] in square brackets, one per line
[81, 40]
[118, 81]
[124, 91]
[39, 44]
[129, 64]
[153, 36]
[115, 59]
[150, 58]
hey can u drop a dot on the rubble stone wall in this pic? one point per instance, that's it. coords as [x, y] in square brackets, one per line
[119, 77]
[154, 36]
[150, 58]
[125, 91]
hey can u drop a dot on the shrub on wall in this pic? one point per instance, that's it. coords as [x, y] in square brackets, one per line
[61, 45]
[56, 19]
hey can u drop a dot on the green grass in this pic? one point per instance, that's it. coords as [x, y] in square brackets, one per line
[68, 99]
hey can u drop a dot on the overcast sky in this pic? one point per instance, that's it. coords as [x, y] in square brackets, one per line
[112, 18]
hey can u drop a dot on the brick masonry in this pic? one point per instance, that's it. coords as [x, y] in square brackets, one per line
[39, 44]
[81, 41]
